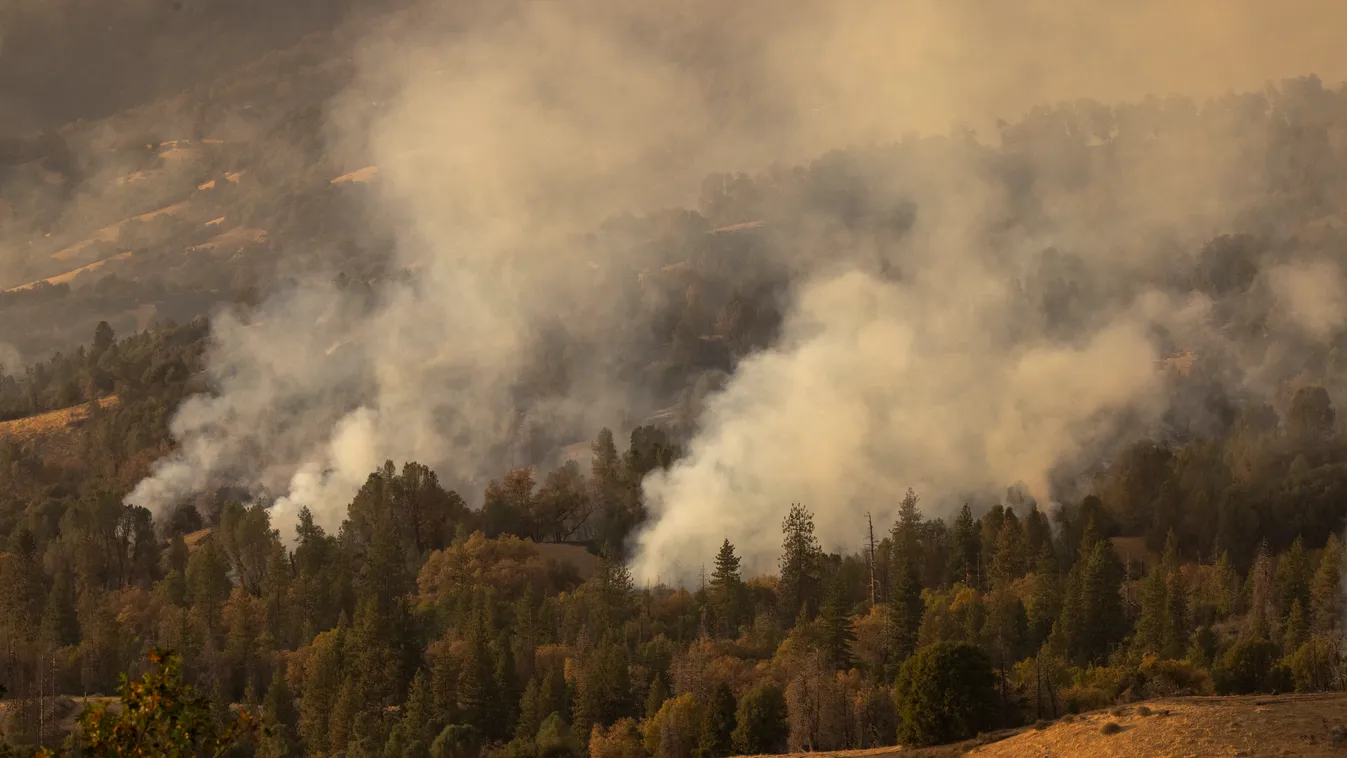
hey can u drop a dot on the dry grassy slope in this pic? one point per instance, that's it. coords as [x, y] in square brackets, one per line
[53, 433]
[1284, 725]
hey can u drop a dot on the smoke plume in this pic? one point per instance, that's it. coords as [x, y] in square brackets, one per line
[912, 360]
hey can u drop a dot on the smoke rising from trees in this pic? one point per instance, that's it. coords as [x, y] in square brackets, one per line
[1007, 331]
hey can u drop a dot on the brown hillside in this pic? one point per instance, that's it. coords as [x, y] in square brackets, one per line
[1284, 725]
[54, 432]
[1299, 725]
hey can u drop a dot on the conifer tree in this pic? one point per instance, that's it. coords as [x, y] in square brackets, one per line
[837, 634]
[966, 550]
[1297, 629]
[801, 565]
[655, 697]
[506, 691]
[603, 689]
[1045, 599]
[476, 678]
[1103, 621]
[1008, 562]
[1227, 581]
[1325, 595]
[905, 609]
[760, 725]
[530, 711]
[1293, 577]
[718, 723]
[728, 594]
[1150, 627]
[1177, 617]
[279, 720]
[341, 722]
[60, 624]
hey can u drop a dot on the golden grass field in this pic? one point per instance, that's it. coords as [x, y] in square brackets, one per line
[1255, 725]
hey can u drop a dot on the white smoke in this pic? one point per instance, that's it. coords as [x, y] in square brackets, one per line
[496, 146]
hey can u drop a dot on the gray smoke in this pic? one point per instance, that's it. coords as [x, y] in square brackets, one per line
[498, 147]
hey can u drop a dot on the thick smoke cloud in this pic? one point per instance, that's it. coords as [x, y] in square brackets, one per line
[498, 147]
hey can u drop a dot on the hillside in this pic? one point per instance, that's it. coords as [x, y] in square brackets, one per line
[53, 435]
[598, 379]
[1285, 725]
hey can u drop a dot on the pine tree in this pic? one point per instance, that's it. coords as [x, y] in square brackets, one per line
[760, 725]
[965, 555]
[1150, 627]
[476, 678]
[1258, 621]
[603, 689]
[60, 625]
[322, 684]
[728, 593]
[419, 721]
[530, 711]
[344, 711]
[1169, 560]
[836, 630]
[1293, 577]
[1177, 621]
[1045, 599]
[718, 723]
[279, 719]
[905, 610]
[506, 692]
[1008, 562]
[1227, 581]
[1297, 629]
[655, 697]
[1102, 613]
[1325, 596]
[801, 565]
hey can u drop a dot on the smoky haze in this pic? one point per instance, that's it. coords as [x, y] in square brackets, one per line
[910, 359]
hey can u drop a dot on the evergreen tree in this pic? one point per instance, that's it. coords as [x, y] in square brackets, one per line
[905, 609]
[718, 723]
[836, 632]
[60, 625]
[1103, 620]
[506, 691]
[280, 720]
[603, 690]
[1150, 627]
[1008, 564]
[801, 565]
[419, 721]
[658, 693]
[476, 677]
[341, 722]
[1045, 599]
[946, 692]
[1297, 629]
[906, 534]
[1177, 620]
[530, 711]
[1293, 577]
[966, 552]
[1325, 595]
[1227, 582]
[760, 725]
[322, 684]
[727, 591]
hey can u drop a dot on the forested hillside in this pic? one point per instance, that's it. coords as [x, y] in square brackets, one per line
[490, 381]
[1203, 559]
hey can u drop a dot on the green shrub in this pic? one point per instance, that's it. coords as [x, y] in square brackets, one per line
[946, 692]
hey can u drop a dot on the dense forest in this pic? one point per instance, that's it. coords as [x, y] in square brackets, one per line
[1197, 555]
